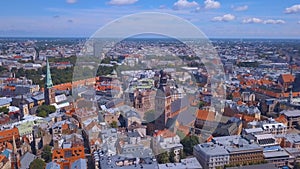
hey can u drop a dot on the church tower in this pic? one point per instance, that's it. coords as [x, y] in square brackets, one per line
[163, 101]
[15, 158]
[49, 92]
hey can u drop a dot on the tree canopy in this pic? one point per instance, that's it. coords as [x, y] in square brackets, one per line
[46, 154]
[163, 158]
[188, 144]
[45, 110]
[4, 110]
[37, 164]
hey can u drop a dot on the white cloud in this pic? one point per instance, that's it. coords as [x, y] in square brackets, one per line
[268, 21]
[122, 2]
[292, 9]
[272, 21]
[240, 8]
[252, 20]
[298, 22]
[225, 18]
[181, 4]
[71, 1]
[211, 4]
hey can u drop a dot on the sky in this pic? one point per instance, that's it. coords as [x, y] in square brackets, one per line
[215, 18]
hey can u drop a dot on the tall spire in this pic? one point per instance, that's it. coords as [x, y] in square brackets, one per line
[15, 160]
[14, 150]
[291, 94]
[48, 83]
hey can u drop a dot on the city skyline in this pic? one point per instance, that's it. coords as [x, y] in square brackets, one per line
[215, 18]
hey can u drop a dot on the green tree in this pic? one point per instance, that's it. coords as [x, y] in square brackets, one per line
[4, 110]
[37, 164]
[201, 104]
[172, 156]
[182, 154]
[46, 154]
[188, 144]
[42, 113]
[45, 110]
[229, 96]
[114, 124]
[163, 158]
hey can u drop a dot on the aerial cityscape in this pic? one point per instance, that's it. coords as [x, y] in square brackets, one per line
[80, 90]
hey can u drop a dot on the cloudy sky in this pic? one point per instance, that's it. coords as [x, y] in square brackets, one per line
[215, 18]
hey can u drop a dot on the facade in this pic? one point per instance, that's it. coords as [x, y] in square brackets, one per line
[240, 150]
[279, 157]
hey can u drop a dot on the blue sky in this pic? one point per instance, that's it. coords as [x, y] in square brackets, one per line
[216, 18]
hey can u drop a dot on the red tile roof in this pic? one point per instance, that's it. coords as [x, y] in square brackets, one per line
[287, 78]
[205, 115]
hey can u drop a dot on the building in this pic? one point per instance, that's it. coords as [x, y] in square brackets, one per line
[165, 140]
[188, 163]
[66, 156]
[8, 135]
[228, 150]
[286, 80]
[290, 141]
[240, 150]
[121, 162]
[211, 155]
[257, 166]
[4, 162]
[292, 116]
[169, 101]
[26, 159]
[52, 165]
[269, 126]
[278, 156]
[79, 164]
[49, 93]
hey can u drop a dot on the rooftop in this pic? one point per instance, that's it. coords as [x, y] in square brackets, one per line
[291, 113]
[188, 163]
[211, 149]
[116, 161]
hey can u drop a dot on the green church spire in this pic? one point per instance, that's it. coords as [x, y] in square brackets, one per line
[48, 83]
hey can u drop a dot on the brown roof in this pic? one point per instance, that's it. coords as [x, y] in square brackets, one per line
[205, 115]
[164, 133]
[281, 119]
[287, 78]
